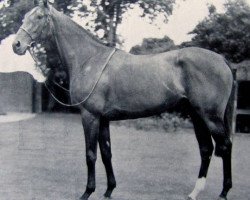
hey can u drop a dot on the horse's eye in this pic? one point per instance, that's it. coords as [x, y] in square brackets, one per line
[39, 16]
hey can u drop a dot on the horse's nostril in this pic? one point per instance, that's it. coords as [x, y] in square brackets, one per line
[18, 44]
[32, 44]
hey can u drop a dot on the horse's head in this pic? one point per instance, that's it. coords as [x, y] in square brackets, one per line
[35, 27]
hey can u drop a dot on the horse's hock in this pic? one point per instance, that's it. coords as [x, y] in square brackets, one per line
[242, 98]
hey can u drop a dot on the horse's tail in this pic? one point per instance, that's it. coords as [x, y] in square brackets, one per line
[229, 117]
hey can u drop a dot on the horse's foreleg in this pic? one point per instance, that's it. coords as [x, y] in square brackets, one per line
[105, 147]
[91, 131]
[206, 149]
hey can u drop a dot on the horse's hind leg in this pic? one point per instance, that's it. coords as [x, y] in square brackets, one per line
[227, 182]
[206, 149]
[223, 148]
[105, 147]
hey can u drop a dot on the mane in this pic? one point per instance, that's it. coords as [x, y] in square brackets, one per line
[73, 25]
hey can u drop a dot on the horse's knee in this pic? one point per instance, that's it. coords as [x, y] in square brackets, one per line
[106, 153]
[106, 156]
[90, 157]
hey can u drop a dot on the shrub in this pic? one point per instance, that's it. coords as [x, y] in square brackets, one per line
[167, 122]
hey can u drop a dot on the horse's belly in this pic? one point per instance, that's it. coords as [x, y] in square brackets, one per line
[139, 105]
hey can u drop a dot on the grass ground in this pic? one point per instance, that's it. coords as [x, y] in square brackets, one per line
[44, 159]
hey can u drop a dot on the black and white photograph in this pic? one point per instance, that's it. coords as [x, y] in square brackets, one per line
[124, 99]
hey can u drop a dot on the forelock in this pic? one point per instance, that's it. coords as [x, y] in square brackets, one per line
[36, 9]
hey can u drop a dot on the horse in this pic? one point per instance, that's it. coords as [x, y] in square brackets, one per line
[108, 84]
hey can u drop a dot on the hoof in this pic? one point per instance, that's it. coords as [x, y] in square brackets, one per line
[222, 198]
[87, 193]
[83, 198]
[109, 191]
[105, 198]
[107, 194]
[189, 198]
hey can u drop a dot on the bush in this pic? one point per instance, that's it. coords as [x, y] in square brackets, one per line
[167, 122]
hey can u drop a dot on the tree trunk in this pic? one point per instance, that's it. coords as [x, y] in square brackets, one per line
[112, 34]
[113, 23]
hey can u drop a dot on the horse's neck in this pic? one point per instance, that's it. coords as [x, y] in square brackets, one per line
[75, 46]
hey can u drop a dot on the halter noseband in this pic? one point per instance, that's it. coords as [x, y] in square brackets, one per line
[30, 46]
[32, 41]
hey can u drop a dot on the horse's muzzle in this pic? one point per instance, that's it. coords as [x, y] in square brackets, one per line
[18, 48]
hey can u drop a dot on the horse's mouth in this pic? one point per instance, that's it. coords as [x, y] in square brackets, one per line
[20, 53]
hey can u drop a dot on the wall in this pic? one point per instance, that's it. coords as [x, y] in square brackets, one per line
[16, 92]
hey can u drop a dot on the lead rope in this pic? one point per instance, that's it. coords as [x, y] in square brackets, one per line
[58, 85]
[92, 90]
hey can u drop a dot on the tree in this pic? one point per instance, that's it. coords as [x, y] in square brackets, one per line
[227, 34]
[109, 14]
[11, 17]
[153, 45]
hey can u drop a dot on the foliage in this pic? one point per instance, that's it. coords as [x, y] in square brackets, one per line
[228, 33]
[109, 13]
[11, 17]
[168, 122]
[153, 45]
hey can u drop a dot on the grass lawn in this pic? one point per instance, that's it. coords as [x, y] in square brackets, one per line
[43, 158]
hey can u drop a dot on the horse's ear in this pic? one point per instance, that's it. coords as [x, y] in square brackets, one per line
[36, 2]
[51, 1]
[43, 2]
[47, 2]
